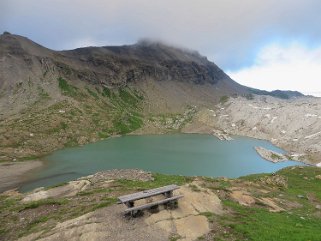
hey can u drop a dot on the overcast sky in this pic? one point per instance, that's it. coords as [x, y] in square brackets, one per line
[273, 44]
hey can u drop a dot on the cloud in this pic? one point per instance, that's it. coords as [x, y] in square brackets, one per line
[229, 32]
[286, 67]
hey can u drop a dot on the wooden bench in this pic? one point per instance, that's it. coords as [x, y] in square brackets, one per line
[167, 191]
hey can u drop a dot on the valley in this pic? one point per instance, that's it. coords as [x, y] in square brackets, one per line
[55, 100]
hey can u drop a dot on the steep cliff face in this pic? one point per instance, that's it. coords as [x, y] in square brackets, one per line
[122, 65]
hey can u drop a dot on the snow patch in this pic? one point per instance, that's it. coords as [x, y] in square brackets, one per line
[311, 115]
[262, 108]
[313, 135]
[273, 119]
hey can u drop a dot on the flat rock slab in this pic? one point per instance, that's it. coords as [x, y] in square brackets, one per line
[186, 220]
[242, 198]
[101, 225]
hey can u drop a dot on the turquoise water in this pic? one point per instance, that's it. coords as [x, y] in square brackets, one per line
[183, 154]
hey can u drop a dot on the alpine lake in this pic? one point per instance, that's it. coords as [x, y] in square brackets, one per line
[180, 154]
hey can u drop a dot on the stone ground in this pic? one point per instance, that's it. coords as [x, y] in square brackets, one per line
[103, 224]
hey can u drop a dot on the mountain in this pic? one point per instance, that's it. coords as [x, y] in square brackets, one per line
[282, 94]
[51, 99]
[26, 63]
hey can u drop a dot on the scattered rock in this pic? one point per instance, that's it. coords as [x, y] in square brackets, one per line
[275, 180]
[318, 177]
[273, 207]
[243, 198]
[116, 174]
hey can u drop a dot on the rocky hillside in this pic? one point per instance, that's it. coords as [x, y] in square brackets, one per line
[294, 125]
[28, 68]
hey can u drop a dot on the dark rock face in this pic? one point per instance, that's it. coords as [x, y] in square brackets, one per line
[114, 66]
[130, 64]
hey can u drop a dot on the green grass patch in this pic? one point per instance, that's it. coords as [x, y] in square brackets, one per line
[66, 88]
[36, 204]
[103, 135]
[105, 203]
[302, 181]
[159, 180]
[224, 99]
[275, 156]
[127, 97]
[92, 93]
[94, 191]
[126, 123]
[260, 224]
[106, 92]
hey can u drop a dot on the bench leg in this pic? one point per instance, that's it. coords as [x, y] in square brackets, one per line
[137, 213]
[171, 205]
[168, 194]
[129, 204]
[154, 209]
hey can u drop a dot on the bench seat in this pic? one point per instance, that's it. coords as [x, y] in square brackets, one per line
[149, 205]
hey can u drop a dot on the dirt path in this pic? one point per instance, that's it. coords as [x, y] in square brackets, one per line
[11, 173]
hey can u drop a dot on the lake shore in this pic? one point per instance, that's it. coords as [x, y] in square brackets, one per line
[11, 173]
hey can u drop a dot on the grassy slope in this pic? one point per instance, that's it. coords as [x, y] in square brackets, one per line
[300, 222]
[84, 115]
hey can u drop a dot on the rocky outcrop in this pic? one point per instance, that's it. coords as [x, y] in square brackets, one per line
[269, 155]
[68, 190]
[116, 174]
